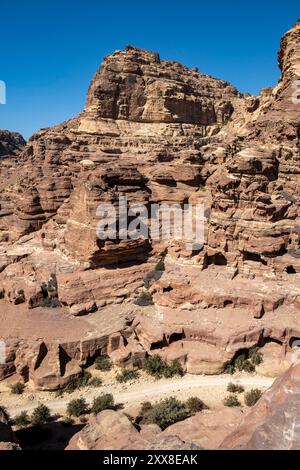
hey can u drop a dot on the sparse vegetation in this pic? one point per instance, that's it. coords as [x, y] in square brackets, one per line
[160, 265]
[126, 375]
[137, 363]
[77, 407]
[78, 383]
[255, 356]
[229, 369]
[246, 361]
[22, 419]
[235, 388]
[103, 402]
[95, 382]
[169, 411]
[231, 401]
[165, 412]
[103, 363]
[154, 365]
[144, 298]
[17, 388]
[194, 405]
[252, 397]
[40, 415]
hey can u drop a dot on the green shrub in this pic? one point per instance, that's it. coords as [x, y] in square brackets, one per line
[253, 396]
[166, 412]
[231, 401]
[248, 361]
[95, 382]
[40, 415]
[154, 365]
[160, 265]
[145, 407]
[77, 407]
[239, 362]
[103, 363]
[194, 405]
[229, 369]
[22, 419]
[126, 375]
[103, 402]
[17, 388]
[78, 383]
[144, 298]
[248, 366]
[255, 356]
[235, 388]
[175, 368]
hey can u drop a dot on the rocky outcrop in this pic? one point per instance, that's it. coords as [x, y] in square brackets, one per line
[273, 423]
[11, 143]
[158, 132]
[8, 440]
[113, 430]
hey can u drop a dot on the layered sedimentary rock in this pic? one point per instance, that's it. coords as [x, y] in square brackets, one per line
[273, 423]
[113, 430]
[155, 132]
[11, 143]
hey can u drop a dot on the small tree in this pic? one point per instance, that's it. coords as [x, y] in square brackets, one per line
[126, 375]
[166, 412]
[154, 365]
[235, 388]
[194, 405]
[253, 396]
[40, 415]
[77, 407]
[103, 402]
[17, 388]
[22, 419]
[103, 363]
[231, 401]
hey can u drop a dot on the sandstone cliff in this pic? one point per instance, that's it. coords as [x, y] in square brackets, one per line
[158, 132]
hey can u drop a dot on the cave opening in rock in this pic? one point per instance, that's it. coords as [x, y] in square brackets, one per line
[254, 257]
[290, 270]
[218, 260]
[176, 337]
[294, 342]
[167, 289]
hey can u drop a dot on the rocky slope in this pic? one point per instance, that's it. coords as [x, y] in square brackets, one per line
[158, 132]
[273, 423]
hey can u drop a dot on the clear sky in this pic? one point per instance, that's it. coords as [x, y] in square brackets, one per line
[50, 49]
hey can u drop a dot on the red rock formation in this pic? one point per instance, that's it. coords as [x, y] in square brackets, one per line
[113, 430]
[273, 423]
[158, 132]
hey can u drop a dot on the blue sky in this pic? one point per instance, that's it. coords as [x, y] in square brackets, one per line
[50, 49]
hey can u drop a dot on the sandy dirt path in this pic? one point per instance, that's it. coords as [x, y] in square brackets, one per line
[136, 393]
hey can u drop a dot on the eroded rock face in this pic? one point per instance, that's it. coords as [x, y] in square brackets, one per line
[273, 423]
[11, 143]
[113, 430]
[8, 440]
[156, 132]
